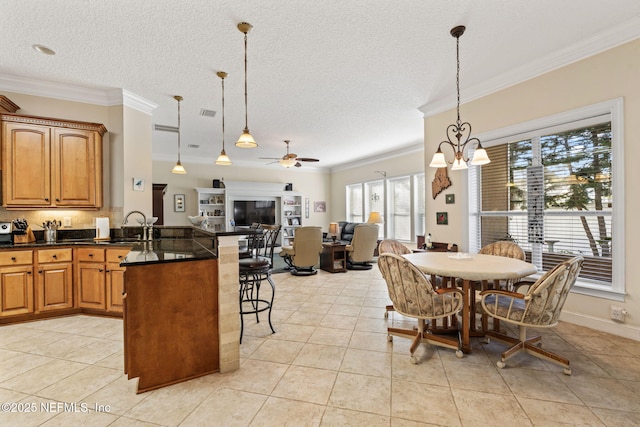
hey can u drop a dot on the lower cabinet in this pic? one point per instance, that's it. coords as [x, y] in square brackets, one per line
[61, 278]
[115, 279]
[91, 278]
[16, 283]
[54, 281]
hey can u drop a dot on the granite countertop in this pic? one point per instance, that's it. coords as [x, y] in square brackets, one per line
[170, 244]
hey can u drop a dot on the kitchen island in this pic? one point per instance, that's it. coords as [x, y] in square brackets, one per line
[180, 309]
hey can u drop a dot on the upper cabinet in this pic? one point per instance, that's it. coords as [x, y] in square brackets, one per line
[50, 163]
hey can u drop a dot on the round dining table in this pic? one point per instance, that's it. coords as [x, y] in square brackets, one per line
[470, 268]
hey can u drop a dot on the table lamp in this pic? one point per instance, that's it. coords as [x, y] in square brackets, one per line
[375, 218]
[333, 230]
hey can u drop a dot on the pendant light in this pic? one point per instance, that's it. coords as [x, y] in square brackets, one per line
[459, 129]
[223, 159]
[178, 168]
[245, 140]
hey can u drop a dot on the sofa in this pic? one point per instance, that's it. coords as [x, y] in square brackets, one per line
[346, 231]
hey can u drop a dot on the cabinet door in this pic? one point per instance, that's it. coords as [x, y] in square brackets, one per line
[16, 290]
[26, 160]
[115, 287]
[75, 168]
[55, 287]
[91, 286]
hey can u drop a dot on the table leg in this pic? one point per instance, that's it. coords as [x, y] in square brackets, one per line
[466, 311]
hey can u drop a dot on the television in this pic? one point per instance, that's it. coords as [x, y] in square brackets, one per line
[246, 212]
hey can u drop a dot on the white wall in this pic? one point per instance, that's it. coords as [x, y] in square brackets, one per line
[608, 75]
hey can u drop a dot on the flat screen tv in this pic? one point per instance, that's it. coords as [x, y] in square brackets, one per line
[246, 212]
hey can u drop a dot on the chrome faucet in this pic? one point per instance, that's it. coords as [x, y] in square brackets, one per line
[146, 235]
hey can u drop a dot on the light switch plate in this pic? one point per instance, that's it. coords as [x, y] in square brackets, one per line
[66, 221]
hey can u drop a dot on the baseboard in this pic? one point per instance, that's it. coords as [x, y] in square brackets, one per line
[603, 325]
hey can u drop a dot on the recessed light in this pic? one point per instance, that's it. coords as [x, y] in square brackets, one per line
[43, 49]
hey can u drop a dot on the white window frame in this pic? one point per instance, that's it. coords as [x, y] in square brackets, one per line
[527, 130]
[365, 200]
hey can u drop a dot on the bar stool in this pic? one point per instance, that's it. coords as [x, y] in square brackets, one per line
[252, 272]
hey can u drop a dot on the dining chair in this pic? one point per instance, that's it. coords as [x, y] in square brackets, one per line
[505, 248]
[540, 307]
[390, 246]
[414, 297]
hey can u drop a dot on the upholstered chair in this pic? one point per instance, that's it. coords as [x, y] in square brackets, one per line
[390, 246]
[540, 307]
[360, 250]
[304, 254]
[413, 296]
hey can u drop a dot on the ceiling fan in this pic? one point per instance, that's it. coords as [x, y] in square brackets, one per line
[290, 159]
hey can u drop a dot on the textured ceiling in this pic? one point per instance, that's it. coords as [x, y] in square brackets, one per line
[341, 79]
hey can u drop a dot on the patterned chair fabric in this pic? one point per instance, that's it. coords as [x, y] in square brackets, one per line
[540, 307]
[413, 296]
[392, 247]
[411, 292]
[503, 248]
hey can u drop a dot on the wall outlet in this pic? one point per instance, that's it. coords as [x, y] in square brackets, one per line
[66, 221]
[617, 313]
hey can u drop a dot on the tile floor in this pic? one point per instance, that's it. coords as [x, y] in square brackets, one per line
[328, 364]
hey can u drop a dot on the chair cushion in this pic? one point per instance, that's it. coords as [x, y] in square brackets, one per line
[253, 263]
[504, 303]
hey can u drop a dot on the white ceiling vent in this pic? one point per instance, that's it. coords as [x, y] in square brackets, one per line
[164, 128]
[193, 146]
[207, 113]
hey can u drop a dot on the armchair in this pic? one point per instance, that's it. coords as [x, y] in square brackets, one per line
[413, 296]
[305, 252]
[539, 308]
[360, 250]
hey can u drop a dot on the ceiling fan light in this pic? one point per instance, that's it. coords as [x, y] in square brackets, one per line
[223, 159]
[179, 169]
[288, 162]
[438, 160]
[480, 157]
[246, 140]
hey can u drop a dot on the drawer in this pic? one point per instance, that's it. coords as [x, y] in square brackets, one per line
[55, 255]
[16, 257]
[117, 255]
[91, 254]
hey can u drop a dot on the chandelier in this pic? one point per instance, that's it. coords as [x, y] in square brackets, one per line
[459, 130]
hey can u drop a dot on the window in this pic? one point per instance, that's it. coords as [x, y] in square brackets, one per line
[551, 190]
[400, 201]
[354, 203]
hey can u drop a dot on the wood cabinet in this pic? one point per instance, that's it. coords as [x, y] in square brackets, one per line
[51, 163]
[16, 283]
[91, 280]
[54, 280]
[333, 257]
[115, 278]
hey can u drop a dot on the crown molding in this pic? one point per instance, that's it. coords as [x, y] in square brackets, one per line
[75, 93]
[130, 99]
[601, 42]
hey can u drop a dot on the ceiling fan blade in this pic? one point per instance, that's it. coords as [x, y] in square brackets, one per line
[298, 164]
[307, 159]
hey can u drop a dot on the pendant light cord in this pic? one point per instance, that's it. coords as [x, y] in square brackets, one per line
[178, 131]
[458, 75]
[222, 114]
[246, 115]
